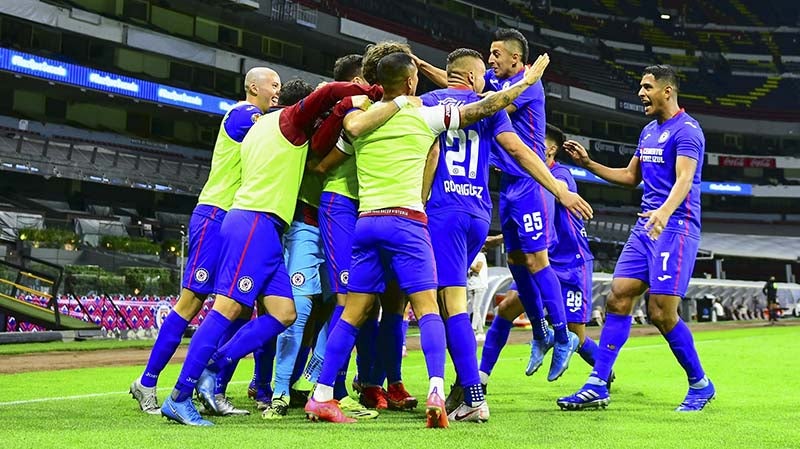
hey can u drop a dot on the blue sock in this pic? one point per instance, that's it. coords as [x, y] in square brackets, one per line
[682, 345]
[614, 335]
[337, 313]
[314, 366]
[250, 337]
[300, 363]
[339, 387]
[587, 350]
[264, 358]
[432, 339]
[550, 289]
[391, 328]
[530, 298]
[288, 346]
[367, 349]
[225, 374]
[340, 344]
[405, 330]
[169, 337]
[462, 346]
[496, 339]
[201, 348]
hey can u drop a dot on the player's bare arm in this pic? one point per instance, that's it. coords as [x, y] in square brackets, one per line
[435, 74]
[333, 159]
[538, 170]
[685, 168]
[630, 176]
[430, 171]
[365, 120]
[473, 112]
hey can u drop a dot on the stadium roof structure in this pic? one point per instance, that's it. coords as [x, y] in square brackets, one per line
[752, 246]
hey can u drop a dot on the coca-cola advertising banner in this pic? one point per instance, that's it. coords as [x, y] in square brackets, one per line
[746, 161]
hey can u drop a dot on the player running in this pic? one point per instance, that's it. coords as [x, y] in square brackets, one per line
[662, 247]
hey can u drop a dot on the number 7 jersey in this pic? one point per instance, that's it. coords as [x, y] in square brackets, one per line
[461, 182]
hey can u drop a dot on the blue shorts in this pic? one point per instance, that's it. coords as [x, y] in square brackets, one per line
[457, 237]
[251, 258]
[665, 265]
[527, 213]
[337, 223]
[576, 289]
[204, 247]
[387, 243]
[304, 259]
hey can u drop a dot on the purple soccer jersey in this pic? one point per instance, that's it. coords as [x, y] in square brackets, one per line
[658, 151]
[529, 121]
[572, 249]
[204, 249]
[461, 182]
[251, 258]
[666, 264]
[240, 119]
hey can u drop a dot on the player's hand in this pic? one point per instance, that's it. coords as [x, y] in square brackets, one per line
[493, 241]
[656, 221]
[361, 102]
[576, 205]
[577, 152]
[533, 73]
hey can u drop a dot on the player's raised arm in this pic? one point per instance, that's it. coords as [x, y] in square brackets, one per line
[630, 176]
[538, 170]
[435, 74]
[473, 112]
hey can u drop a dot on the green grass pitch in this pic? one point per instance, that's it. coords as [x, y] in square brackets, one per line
[755, 371]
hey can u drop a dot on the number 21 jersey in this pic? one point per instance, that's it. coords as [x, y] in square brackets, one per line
[461, 182]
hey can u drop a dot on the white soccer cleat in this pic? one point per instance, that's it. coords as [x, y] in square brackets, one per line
[470, 413]
[146, 397]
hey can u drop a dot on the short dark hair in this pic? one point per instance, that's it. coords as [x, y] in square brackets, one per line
[555, 133]
[394, 69]
[510, 34]
[294, 91]
[664, 72]
[459, 54]
[347, 67]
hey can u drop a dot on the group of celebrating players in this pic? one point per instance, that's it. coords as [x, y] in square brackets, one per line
[358, 189]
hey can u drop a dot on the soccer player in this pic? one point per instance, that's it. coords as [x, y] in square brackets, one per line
[459, 212]
[662, 247]
[251, 265]
[526, 210]
[572, 261]
[261, 91]
[395, 170]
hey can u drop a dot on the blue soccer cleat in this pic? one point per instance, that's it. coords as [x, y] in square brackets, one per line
[206, 386]
[589, 396]
[183, 413]
[538, 350]
[697, 398]
[562, 353]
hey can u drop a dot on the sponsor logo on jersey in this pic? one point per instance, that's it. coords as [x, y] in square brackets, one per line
[664, 277]
[298, 279]
[201, 275]
[537, 236]
[245, 284]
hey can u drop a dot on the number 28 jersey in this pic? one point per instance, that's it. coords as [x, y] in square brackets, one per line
[461, 182]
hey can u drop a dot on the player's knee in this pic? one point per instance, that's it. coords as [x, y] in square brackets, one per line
[618, 304]
[511, 307]
[537, 262]
[662, 318]
[287, 317]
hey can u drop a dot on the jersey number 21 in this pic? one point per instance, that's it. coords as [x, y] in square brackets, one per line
[456, 156]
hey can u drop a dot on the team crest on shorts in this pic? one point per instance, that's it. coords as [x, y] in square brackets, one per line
[201, 275]
[344, 277]
[245, 284]
[663, 137]
[298, 279]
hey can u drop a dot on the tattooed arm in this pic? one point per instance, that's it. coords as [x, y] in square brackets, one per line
[473, 112]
